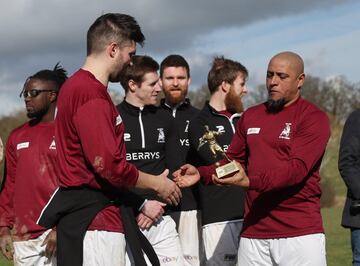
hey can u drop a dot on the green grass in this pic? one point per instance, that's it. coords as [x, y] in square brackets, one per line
[4, 261]
[338, 250]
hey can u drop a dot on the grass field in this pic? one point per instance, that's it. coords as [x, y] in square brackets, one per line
[338, 250]
[337, 239]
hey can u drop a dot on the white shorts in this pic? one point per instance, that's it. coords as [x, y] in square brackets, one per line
[301, 250]
[221, 242]
[188, 227]
[166, 243]
[30, 252]
[104, 248]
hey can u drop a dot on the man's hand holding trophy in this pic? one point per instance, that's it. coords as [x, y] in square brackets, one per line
[230, 173]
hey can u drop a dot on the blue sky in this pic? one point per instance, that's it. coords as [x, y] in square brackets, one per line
[326, 33]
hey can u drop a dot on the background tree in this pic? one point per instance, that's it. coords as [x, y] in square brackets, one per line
[199, 97]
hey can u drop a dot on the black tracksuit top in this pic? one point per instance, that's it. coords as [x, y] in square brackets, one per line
[218, 203]
[150, 143]
[181, 117]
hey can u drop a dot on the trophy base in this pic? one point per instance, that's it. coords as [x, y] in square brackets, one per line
[226, 169]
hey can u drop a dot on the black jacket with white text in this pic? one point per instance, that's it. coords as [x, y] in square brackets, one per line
[148, 139]
[181, 117]
[218, 203]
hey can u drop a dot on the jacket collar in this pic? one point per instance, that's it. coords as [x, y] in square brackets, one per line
[214, 112]
[134, 110]
[181, 105]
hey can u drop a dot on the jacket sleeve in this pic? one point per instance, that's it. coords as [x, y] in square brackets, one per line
[172, 147]
[205, 171]
[103, 150]
[237, 148]
[132, 200]
[349, 154]
[8, 186]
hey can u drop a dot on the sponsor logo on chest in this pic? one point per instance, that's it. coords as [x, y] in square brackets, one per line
[253, 130]
[135, 156]
[23, 145]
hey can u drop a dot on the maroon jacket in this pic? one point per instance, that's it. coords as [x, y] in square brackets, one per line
[282, 154]
[30, 178]
[89, 136]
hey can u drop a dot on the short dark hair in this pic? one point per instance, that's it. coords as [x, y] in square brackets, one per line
[136, 70]
[224, 69]
[174, 60]
[113, 27]
[58, 75]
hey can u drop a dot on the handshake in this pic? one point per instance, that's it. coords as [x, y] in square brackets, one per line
[189, 175]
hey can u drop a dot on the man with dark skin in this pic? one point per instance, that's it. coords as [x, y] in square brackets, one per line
[279, 147]
[30, 178]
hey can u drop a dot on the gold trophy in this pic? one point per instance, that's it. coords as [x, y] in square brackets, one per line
[210, 138]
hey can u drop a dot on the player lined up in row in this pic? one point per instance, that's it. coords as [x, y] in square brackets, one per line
[119, 185]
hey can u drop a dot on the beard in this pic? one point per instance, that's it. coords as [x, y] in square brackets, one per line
[37, 114]
[118, 71]
[175, 98]
[115, 77]
[275, 106]
[233, 102]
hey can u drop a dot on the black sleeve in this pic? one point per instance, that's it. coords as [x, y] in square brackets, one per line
[131, 199]
[192, 154]
[349, 154]
[172, 147]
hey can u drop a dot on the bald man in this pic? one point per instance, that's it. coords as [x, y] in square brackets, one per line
[280, 144]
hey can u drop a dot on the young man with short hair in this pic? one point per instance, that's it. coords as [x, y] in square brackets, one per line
[151, 147]
[91, 152]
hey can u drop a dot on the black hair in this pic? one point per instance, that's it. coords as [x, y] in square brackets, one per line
[174, 60]
[136, 70]
[113, 27]
[58, 75]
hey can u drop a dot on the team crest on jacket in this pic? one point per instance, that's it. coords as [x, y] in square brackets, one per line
[52, 145]
[285, 133]
[161, 137]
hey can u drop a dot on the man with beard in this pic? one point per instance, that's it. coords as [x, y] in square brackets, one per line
[175, 80]
[280, 144]
[30, 176]
[221, 218]
[91, 152]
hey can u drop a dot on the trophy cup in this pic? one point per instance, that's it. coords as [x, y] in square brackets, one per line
[209, 137]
